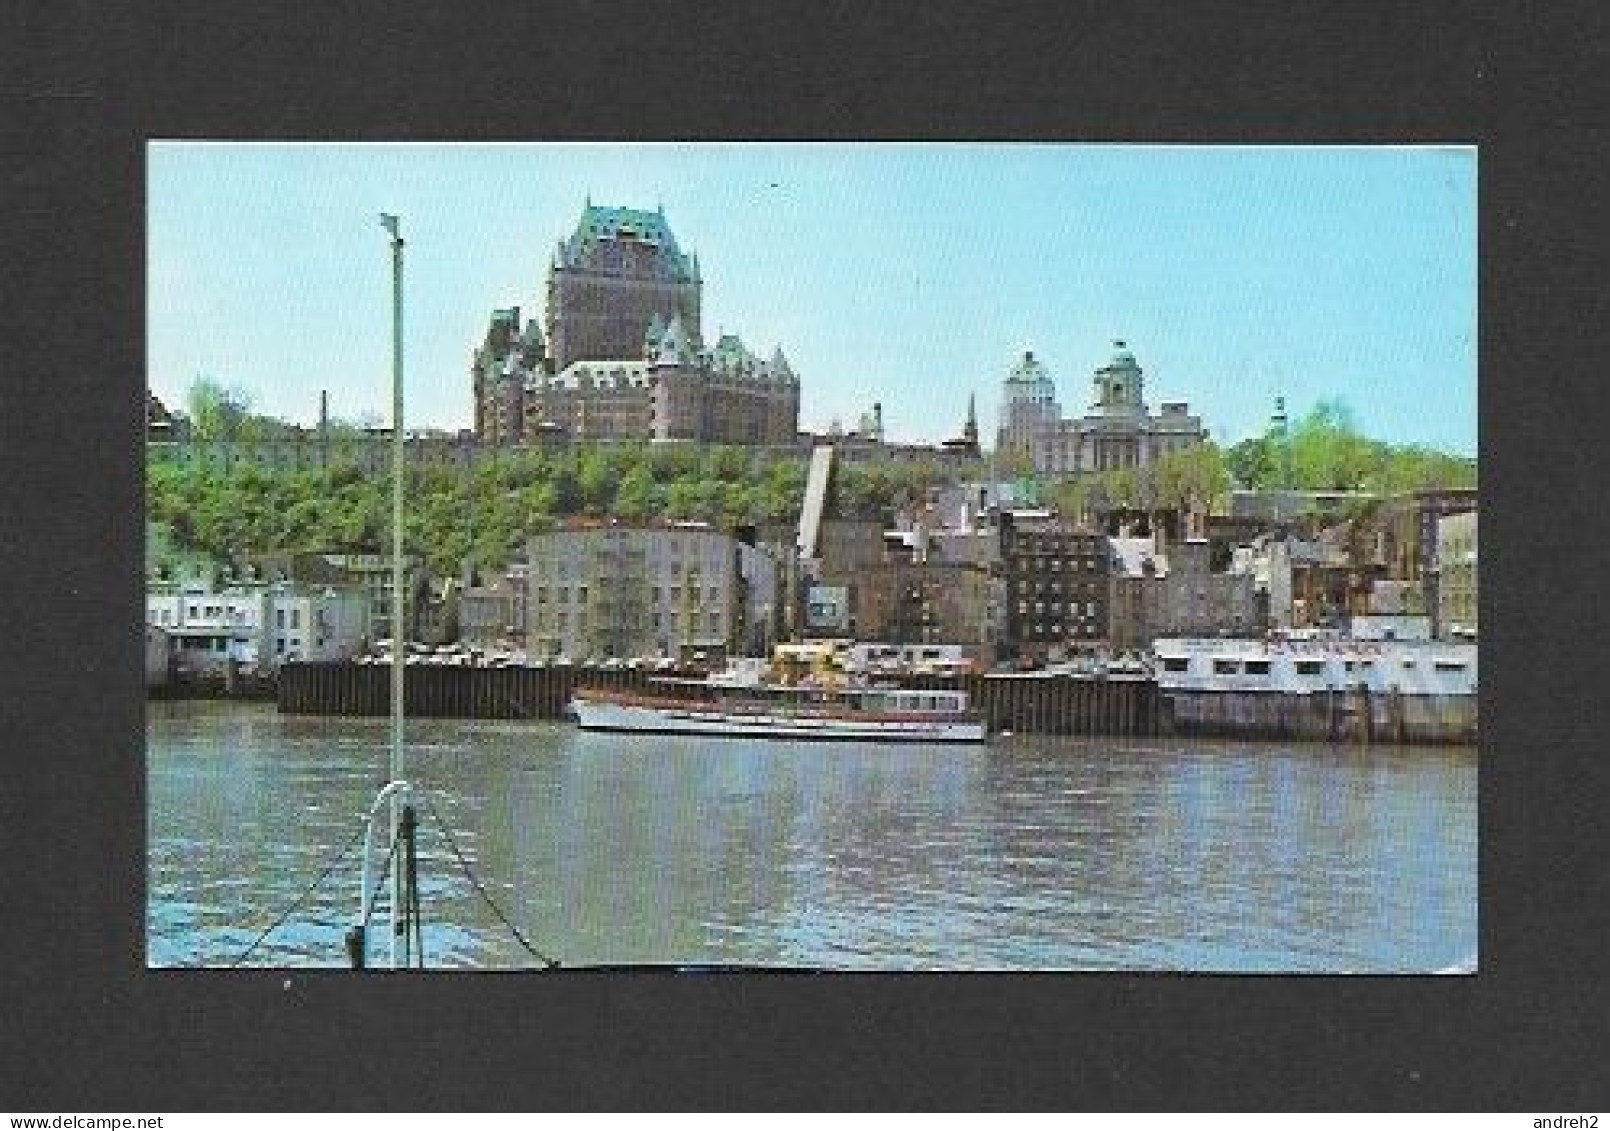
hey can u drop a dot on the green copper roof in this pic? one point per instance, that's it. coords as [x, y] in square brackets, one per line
[1121, 357]
[1029, 370]
[601, 224]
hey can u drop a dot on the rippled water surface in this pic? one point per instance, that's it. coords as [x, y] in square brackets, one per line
[1027, 853]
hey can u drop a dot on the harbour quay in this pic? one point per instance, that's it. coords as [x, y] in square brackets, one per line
[1037, 703]
[1027, 703]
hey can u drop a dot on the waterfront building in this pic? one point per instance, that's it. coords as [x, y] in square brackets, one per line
[158, 656]
[1118, 430]
[371, 574]
[491, 611]
[255, 624]
[1057, 587]
[1171, 589]
[1457, 582]
[910, 601]
[1399, 537]
[682, 591]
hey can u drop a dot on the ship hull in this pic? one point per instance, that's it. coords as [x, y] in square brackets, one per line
[621, 716]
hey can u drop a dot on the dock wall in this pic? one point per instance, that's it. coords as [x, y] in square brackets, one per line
[1022, 704]
[1338, 716]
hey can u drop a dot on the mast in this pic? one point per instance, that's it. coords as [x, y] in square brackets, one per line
[391, 224]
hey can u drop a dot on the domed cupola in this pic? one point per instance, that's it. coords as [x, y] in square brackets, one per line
[1119, 385]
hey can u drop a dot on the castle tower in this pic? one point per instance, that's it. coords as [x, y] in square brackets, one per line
[619, 269]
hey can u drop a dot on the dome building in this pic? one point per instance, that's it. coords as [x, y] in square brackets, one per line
[1118, 430]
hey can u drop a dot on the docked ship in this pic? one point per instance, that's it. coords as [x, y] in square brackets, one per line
[801, 696]
[1323, 686]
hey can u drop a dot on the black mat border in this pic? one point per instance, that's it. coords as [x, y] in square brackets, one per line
[88, 1028]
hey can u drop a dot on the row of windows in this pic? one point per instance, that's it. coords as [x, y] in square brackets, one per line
[1089, 588]
[1071, 608]
[563, 594]
[1052, 630]
[561, 619]
[1056, 564]
[1223, 666]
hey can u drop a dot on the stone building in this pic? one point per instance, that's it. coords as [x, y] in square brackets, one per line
[491, 611]
[624, 356]
[1458, 606]
[1028, 408]
[682, 591]
[909, 601]
[255, 623]
[1400, 538]
[1057, 588]
[1172, 589]
[1117, 430]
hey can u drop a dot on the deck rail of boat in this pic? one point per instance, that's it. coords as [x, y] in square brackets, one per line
[760, 709]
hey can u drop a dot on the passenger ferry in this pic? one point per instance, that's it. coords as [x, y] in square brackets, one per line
[753, 701]
[1321, 686]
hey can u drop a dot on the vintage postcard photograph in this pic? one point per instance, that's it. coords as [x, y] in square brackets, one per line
[811, 556]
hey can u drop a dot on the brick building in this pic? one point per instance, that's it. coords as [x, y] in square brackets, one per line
[1057, 586]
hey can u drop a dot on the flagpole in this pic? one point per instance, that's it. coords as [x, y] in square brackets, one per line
[398, 600]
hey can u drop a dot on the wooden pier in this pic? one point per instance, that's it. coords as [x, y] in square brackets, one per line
[1022, 704]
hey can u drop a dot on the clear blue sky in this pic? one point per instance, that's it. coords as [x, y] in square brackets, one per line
[911, 274]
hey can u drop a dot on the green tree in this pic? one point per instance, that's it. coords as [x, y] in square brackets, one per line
[1252, 463]
[216, 412]
[637, 498]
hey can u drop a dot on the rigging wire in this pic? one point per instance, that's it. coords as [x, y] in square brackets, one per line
[307, 891]
[475, 882]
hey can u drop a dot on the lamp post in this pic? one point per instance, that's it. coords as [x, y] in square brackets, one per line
[398, 597]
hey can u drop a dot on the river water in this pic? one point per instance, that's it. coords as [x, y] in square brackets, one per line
[1026, 854]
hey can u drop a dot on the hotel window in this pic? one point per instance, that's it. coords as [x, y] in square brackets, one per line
[1257, 667]
[1225, 667]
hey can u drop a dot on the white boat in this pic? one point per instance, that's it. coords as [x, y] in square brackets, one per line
[1321, 686]
[734, 708]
